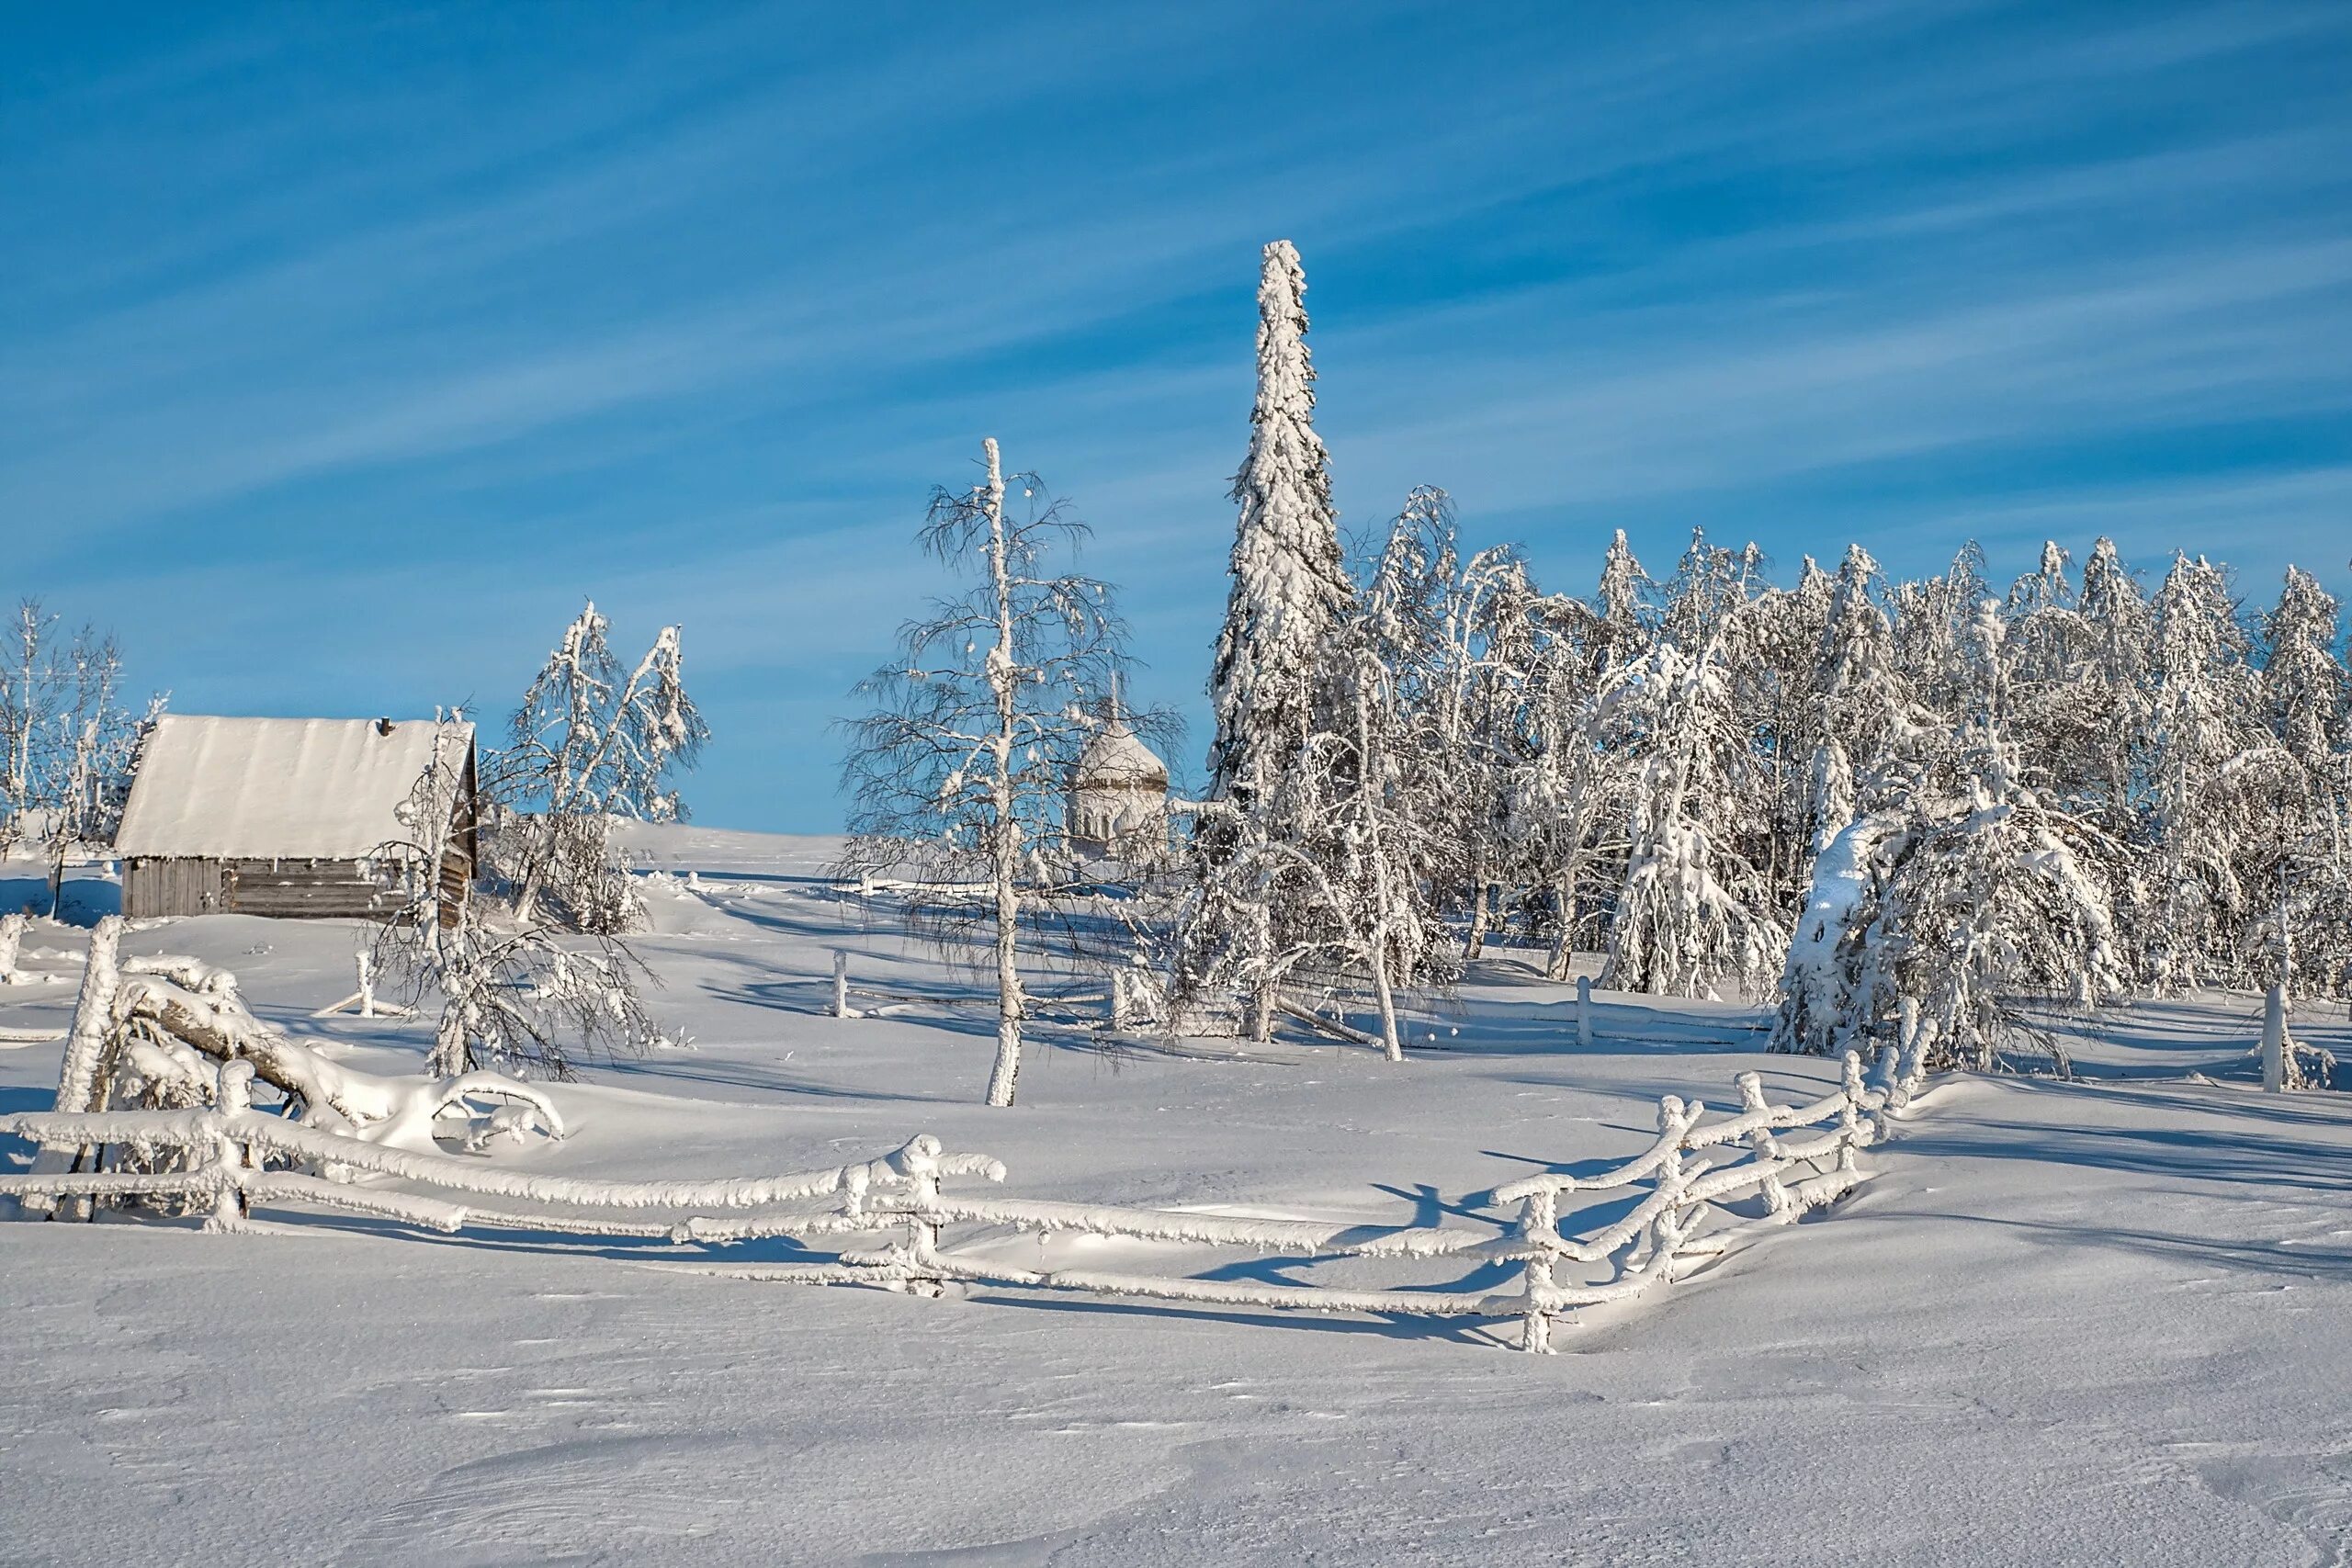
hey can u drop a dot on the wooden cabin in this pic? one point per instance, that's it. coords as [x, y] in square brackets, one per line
[299, 819]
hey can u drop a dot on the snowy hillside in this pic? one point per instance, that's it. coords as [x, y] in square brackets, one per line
[2064, 1323]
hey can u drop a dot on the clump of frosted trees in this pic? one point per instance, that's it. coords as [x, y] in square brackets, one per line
[594, 743]
[548, 973]
[1919, 813]
[67, 741]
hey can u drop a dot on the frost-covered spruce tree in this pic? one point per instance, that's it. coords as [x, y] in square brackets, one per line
[1864, 707]
[1837, 986]
[1272, 686]
[2043, 644]
[1457, 639]
[2306, 691]
[2201, 725]
[1624, 609]
[1692, 913]
[1932, 618]
[958, 772]
[590, 745]
[1773, 683]
[2300, 867]
[2113, 690]
[1291, 594]
[1502, 626]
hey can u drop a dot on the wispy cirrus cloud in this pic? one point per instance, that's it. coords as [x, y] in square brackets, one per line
[474, 314]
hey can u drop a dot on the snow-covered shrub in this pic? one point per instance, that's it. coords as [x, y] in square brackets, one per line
[1974, 898]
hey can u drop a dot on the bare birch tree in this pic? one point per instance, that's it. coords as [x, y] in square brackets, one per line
[958, 772]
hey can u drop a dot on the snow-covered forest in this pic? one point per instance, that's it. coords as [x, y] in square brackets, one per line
[1839, 793]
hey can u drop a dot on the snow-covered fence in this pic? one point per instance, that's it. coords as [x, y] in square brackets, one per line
[1709, 1182]
[220, 1157]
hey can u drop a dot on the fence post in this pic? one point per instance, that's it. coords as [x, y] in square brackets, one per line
[1666, 1231]
[919, 1163]
[233, 1098]
[1539, 1217]
[2274, 1041]
[1851, 1134]
[367, 987]
[840, 983]
[1776, 1199]
[1584, 1009]
[1120, 1019]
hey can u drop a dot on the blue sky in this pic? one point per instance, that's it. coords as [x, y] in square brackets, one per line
[343, 349]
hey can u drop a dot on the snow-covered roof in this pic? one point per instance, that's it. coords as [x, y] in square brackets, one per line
[1114, 756]
[266, 788]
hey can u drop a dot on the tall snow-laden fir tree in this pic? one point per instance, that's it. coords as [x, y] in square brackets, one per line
[1773, 683]
[2111, 691]
[1864, 707]
[2306, 691]
[1273, 685]
[2297, 856]
[1932, 618]
[1291, 594]
[1623, 609]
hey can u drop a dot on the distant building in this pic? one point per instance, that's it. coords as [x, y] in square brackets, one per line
[293, 818]
[1118, 791]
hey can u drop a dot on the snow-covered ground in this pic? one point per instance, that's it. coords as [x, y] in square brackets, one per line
[2099, 1322]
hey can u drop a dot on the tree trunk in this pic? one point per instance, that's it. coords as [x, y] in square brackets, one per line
[1002, 1076]
[1389, 1042]
[1564, 950]
[1479, 907]
[1004, 836]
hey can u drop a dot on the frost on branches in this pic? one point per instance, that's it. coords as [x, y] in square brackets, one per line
[1692, 913]
[515, 995]
[958, 772]
[1972, 898]
[590, 745]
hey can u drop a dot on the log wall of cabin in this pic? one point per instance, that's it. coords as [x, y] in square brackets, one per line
[314, 890]
[282, 889]
[153, 886]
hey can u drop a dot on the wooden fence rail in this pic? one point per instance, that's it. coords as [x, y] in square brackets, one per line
[1705, 1184]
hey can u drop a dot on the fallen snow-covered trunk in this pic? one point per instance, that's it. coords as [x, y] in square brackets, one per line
[165, 1022]
[401, 1110]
